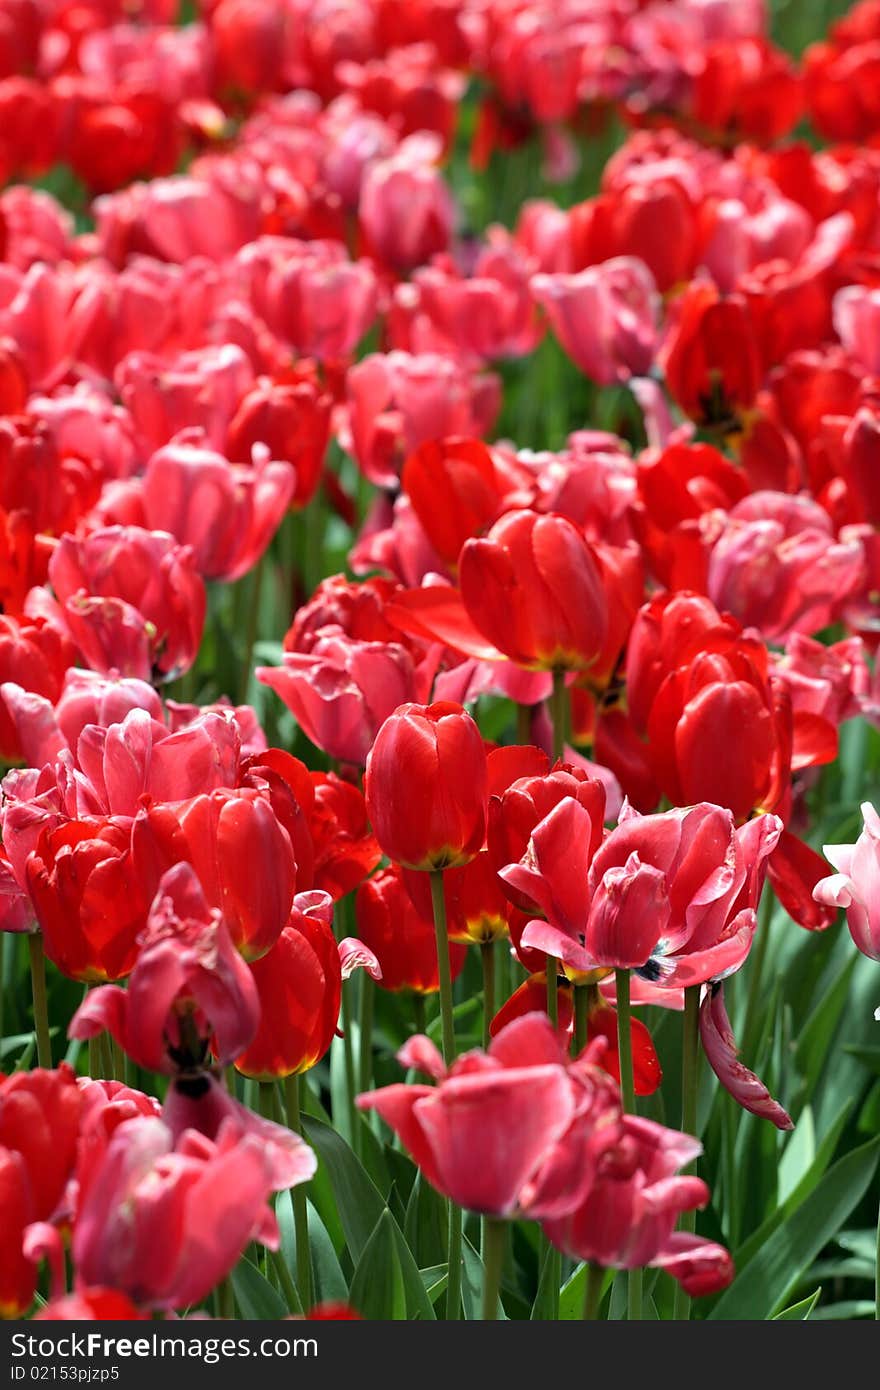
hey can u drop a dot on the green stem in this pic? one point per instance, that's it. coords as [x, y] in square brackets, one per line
[558, 710]
[628, 1098]
[523, 723]
[365, 1062]
[288, 1288]
[583, 997]
[487, 958]
[690, 1065]
[593, 1292]
[293, 1105]
[41, 1007]
[755, 969]
[493, 1264]
[552, 991]
[444, 974]
[348, 1057]
[226, 1299]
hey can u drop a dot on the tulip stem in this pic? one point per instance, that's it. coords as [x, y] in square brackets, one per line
[487, 957]
[582, 1000]
[41, 1008]
[524, 724]
[558, 711]
[225, 1299]
[365, 1062]
[593, 1292]
[690, 1065]
[288, 1288]
[628, 1098]
[494, 1233]
[757, 961]
[552, 991]
[444, 975]
[293, 1106]
[254, 592]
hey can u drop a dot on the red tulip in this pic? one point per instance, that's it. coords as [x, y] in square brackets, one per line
[291, 416]
[477, 907]
[406, 210]
[534, 590]
[711, 358]
[33, 655]
[87, 899]
[299, 984]
[344, 847]
[188, 983]
[18, 1276]
[720, 1049]
[400, 936]
[242, 857]
[426, 787]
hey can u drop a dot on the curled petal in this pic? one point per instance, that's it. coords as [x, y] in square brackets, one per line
[354, 955]
[720, 1048]
[419, 1054]
[700, 1266]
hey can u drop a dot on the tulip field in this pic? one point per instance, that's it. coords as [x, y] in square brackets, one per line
[439, 684]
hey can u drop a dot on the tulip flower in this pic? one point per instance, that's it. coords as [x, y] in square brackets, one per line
[627, 1219]
[342, 691]
[400, 935]
[174, 1251]
[605, 317]
[710, 357]
[299, 987]
[856, 885]
[88, 902]
[406, 210]
[226, 513]
[345, 850]
[188, 984]
[492, 1134]
[18, 1275]
[290, 415]
[40, 1115]
[241, 854]
[426, 787]
[720, 1048]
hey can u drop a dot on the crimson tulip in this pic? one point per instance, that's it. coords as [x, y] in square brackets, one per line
[426, 786]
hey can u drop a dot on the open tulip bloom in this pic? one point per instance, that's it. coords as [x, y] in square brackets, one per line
[439, 660]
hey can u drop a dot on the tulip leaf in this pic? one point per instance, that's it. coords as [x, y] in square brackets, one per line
[860, 1243]
[807, 1184]
[425, 1222]
[762, 1283]
[847, 1311]
[814, 1044]
[359, 1201]
[377, 1289]
[799, 1312]
[258, 1300]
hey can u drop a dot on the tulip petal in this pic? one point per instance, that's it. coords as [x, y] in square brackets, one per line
[720, 1048]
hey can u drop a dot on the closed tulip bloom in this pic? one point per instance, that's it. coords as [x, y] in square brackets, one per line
[856, 885]
[299, 985]
[197, 389]
[533, 588]
[426, 786]
[605, 317]
[406, 209]
[188, 984]
[628, 1217]
[710, 357]
[241, 854]
[291, 416]
[33, 655]
[39, 1120]
[87, 897]
[400, 936]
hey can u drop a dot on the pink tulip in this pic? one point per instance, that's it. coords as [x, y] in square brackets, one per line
[721, 1051]
[310, 294]
[496, 1134]
[343, 690]
[188, 984]
[628, 1217]
[777, 566]
[197, 389]
[165, 1222]
[856, 885]
[857, 321]
[397, 401]
[131, 593]
[406, 209]
[226, 513]
[606, 317]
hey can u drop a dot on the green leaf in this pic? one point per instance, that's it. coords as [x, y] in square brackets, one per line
[359, 1201]
[761, 1285]
[425, 1223]
[799, 1312]
[574, 1290]
[860, 1243]
[807, 1184]
[845, 1312]
[258, 1300]
[814, 1045]
[377, 1289]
